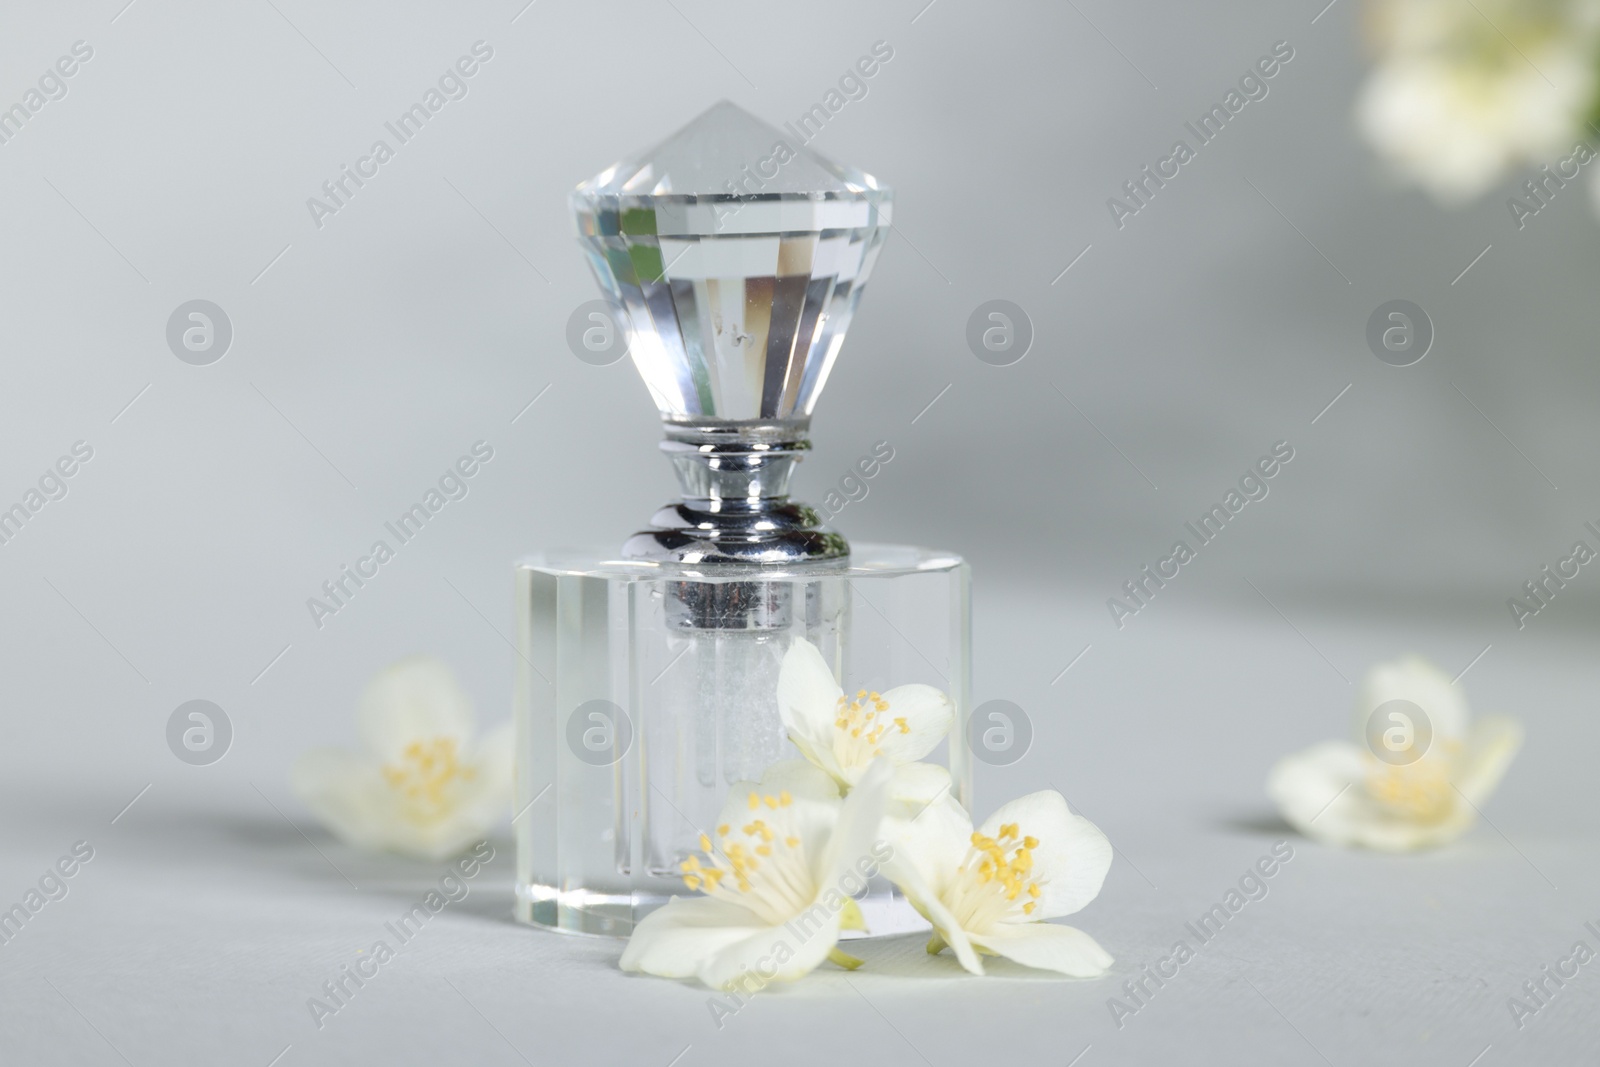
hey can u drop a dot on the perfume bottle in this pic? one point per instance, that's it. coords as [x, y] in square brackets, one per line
[734, 259]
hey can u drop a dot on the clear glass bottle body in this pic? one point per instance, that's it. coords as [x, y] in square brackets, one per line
[646, 690]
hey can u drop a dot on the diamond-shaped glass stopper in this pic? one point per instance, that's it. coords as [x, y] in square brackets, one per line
[737, 255]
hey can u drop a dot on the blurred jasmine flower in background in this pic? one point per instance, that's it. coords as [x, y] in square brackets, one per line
[1465, 91]
[1417, 775]
[423, 785]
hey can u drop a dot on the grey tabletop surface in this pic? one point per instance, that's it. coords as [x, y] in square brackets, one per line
[214, 909]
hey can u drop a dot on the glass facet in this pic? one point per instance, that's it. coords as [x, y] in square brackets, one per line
[736, 256]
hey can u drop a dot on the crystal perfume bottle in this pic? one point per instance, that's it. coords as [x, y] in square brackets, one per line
[734, 258]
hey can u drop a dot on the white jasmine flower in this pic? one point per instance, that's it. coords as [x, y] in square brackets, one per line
[1466, 92]
[843, 734]
[777, 880]
[422, 786]
[987, 891]
[1438, 767]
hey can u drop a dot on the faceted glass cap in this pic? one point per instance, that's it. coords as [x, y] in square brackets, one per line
[737, 257]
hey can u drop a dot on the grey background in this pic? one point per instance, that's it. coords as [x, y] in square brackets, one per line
[426, 315]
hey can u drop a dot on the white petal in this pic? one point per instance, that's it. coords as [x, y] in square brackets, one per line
[1369, 826]
[928, 714]
[819, 757]
[930, 848]
[676, 940]
[1491, 745]
[1316, 783]
[925, 854]
[925, 898]
[1047, 947]
[808, 701]
[915, 786]
[856, 839]
[802, 780]
[773, 954]
[416, 699]
[1073, 855]
[347, 794]
[1419, 682]
[1388, 835]
[920, 783]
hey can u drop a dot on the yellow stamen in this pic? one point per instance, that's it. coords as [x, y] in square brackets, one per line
[996, 879]
[427, 777]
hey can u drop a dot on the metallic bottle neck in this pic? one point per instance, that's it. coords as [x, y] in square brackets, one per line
[734, 477]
